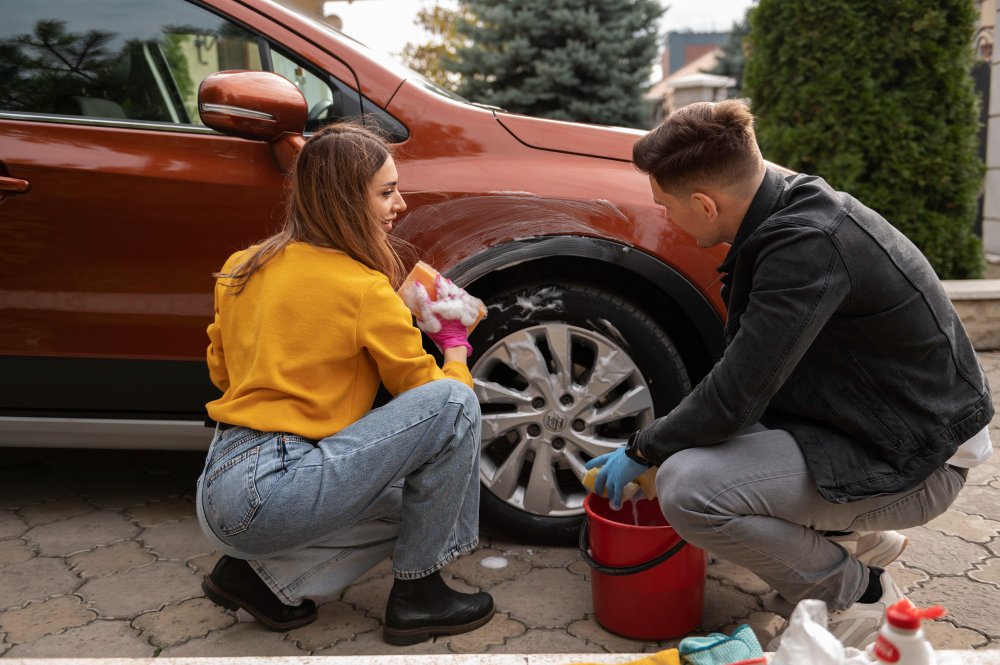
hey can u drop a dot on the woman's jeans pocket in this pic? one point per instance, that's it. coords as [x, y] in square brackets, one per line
[239, 478]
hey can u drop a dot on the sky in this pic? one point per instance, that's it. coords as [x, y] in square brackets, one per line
[387, 25]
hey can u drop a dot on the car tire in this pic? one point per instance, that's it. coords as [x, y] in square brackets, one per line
[564, 372]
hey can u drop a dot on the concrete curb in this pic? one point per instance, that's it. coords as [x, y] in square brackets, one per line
[977, 302]
[943, 658]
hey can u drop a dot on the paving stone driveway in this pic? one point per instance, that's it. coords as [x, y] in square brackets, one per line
[101, 555]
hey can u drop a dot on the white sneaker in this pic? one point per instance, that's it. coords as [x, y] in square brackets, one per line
[873, 548]
[858, 625]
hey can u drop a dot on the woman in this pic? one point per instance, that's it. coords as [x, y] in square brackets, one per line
[305, 486]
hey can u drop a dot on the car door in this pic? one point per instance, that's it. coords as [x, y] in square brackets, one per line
[117, 204]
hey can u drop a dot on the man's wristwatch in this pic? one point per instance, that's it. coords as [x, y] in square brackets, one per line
[632, 450]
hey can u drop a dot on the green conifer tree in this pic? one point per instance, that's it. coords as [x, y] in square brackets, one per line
[582, 60]
[733, 57]
[876, 97]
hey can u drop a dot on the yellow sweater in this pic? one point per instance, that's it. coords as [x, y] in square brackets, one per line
[303, 347]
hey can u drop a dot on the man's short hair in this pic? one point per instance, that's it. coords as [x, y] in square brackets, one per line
[702, 144]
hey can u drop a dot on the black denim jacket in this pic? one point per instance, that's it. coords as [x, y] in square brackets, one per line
[839, 332]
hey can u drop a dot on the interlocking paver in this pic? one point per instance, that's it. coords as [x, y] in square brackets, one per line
[143, 589]
[110, 559]
[589, 629]
[172, 509]
[978, 500]
[945, 635]
[143, 584]
[180, 541]
[51, 511]
[35, 579]
[537, 556]
[48, 617]
[737, 576]
[11, 525]
[370, 594]
[176, 624]
[14, 550]
[976, 606]
[371, 644]
[544, 598]
[337, 622]
[81, 534]
[500, 629]
[906, 577]
[204, 564]
[967, 527]
[987, 571]
[725, 604]
[487, 566]
[937, 553]
[240, 639]
[547, 640]
[97, 639]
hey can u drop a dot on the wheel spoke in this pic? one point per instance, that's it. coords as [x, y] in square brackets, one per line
[496, 425]
[490, 392]
[523, 356]
[503, 482]
[632, 403]
[560, 345]
[541, 484]
[612, 367]
[592, 446]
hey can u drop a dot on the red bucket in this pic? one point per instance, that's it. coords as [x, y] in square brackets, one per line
[647, 582]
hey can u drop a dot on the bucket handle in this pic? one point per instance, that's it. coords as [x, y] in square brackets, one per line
[623, 570]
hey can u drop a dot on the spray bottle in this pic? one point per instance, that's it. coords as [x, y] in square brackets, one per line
[901, 640]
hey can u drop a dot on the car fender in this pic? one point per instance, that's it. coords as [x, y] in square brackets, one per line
[690, 300]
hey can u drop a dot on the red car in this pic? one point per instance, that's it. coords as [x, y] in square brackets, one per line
[117, 203]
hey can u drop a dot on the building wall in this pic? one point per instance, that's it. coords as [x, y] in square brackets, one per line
[991, 201]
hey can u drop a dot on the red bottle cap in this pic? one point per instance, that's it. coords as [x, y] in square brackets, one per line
[907, 616]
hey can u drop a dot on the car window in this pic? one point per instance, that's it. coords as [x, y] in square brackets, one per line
[324, 104]
[118, 59]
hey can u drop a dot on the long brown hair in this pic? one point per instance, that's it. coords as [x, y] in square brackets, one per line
[329, 203]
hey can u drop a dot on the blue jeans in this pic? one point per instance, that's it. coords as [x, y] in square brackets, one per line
[752, 501]
[312, 516]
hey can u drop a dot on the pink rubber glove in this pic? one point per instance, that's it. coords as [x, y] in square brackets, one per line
[453, 333]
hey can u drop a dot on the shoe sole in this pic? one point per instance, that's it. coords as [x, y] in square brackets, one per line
[402, 637]
[231, 602]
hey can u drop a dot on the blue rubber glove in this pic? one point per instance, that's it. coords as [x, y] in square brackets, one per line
[617, 471]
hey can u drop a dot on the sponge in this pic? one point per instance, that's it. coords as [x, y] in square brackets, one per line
[644, 485]
[455, 304]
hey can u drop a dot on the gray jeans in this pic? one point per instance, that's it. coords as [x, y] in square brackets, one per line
[752, 501]
[311, 516]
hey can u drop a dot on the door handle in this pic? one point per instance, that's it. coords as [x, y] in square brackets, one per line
[14, 185]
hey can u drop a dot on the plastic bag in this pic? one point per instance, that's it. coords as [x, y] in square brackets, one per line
[806, 640]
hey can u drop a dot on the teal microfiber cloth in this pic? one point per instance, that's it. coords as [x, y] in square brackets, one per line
[720, 649]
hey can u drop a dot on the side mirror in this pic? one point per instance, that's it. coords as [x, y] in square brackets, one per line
[258, 106]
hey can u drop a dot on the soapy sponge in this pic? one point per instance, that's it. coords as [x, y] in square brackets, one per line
[644, 486]
[426, 293]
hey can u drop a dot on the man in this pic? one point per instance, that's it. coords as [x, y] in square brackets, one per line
[849, 400]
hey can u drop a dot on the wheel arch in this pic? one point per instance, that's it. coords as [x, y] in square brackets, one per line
[674, 302]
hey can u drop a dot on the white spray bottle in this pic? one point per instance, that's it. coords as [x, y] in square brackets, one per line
[901, 640]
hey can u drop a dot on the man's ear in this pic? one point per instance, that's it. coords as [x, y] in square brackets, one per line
[706, 204]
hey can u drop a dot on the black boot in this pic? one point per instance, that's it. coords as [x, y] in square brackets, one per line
[234, 584]
[420, 609]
